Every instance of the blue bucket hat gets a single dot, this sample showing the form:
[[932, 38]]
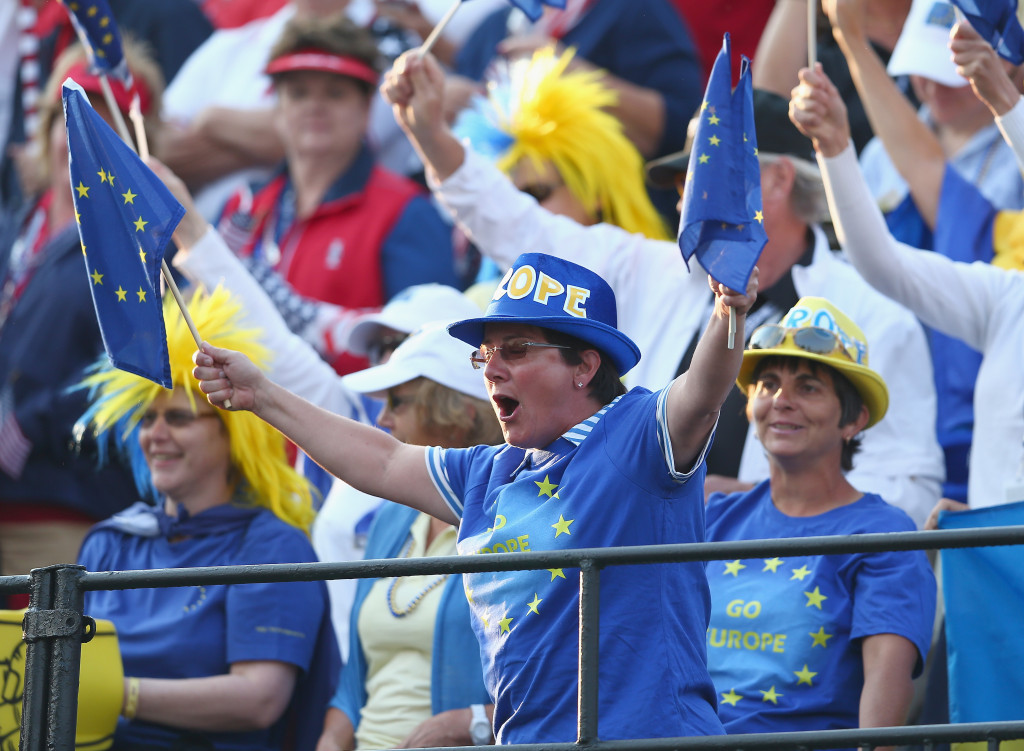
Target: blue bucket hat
[[541, 290]]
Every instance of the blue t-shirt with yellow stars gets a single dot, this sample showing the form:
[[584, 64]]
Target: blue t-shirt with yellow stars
[[784, 639], [608, 481]]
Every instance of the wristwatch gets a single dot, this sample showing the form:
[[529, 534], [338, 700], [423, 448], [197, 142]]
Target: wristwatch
[[479, 726]]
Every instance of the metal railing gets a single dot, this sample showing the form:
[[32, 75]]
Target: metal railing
[[55, 627]]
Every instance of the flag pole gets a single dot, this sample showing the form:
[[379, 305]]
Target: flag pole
[[732, 328], [435, 33], [135, 113], [812, 33]]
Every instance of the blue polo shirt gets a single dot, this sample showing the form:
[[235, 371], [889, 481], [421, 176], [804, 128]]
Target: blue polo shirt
[[608, 481]]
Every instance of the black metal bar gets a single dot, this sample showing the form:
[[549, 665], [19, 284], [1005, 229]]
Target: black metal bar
[[641, 554], [590, 602], [37, 668], [66, 662]]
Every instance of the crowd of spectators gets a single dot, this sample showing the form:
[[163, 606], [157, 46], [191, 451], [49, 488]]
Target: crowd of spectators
[[344, 191]]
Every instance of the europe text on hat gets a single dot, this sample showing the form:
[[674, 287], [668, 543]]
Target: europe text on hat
[[923, 46], [408, 311], [541, 290], [851, 360], [430, 353], [776, 134]]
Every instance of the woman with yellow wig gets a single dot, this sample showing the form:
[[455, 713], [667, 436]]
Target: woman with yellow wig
[[214, 667]]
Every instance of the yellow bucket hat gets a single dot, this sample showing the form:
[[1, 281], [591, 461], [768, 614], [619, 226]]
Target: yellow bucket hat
[[817, 330]]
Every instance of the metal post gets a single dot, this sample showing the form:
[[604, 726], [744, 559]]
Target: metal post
[[590, 586], [54, 630]]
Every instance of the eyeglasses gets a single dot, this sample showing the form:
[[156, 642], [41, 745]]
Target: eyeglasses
[[513, 350], [174, 418], [385, 345], [394, 401], [813, 339], [539, 191]]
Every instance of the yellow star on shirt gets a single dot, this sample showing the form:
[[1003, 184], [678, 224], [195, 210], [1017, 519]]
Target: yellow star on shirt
[[771, 695], [556, 572], [140, 224], [97, 277], [800, 573], [83, 191], [820, 637], [772, 564], [731, 698], [713, 120], [129, 197], [704, 159], [122, 294], [562, 525], [759, 216], [142, 294], [504, 623], [545, 487], [815, 598], [714, 140], [804, 675], [533, 605], [734, 568]]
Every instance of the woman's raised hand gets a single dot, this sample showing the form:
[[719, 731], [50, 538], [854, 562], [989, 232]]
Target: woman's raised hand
[[414, 87], [978, 63], [729, 298], [818, 112]]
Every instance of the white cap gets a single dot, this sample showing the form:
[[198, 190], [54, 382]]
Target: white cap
[[430, 352], [923, 46], [410, 309]]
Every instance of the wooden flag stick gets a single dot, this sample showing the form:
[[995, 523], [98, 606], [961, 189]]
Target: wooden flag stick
[[812, 33], [435, 33], [732, 328]]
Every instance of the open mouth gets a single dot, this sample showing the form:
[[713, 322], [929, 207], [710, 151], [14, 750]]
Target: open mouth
[[507, 407]]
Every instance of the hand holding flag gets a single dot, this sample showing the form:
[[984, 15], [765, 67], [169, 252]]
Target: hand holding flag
[[998, 22], [125, 218], [722, 221]]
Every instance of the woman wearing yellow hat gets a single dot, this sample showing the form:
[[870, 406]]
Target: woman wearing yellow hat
[[811, 642]]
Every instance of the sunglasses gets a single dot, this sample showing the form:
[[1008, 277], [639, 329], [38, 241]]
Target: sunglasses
[[385, 345], [513, 350], [174, 418], [394, 401], [813, 339]]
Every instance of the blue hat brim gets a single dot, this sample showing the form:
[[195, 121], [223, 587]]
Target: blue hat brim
[[618, 347]]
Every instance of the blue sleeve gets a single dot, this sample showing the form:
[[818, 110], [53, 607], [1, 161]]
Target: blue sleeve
[[964, 220], [275, 621], [350, 697], [449, 470], [418, 249], [895, 593]]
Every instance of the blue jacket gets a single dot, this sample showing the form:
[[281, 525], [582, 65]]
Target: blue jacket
[[456, 679]]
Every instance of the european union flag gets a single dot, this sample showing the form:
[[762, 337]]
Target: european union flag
[[125, 218], [534, 9], [984, 595], [97, 29], [997, 21], [722, 222]]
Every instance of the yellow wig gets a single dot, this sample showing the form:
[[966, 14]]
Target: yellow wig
[[257, 450], [559, 116]]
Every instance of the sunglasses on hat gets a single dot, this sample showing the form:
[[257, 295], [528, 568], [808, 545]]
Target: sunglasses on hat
[[813, 339]]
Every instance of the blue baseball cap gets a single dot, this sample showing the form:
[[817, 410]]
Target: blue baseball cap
[[541, 290]]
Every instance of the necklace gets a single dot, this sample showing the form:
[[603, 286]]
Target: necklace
[[418, 597]]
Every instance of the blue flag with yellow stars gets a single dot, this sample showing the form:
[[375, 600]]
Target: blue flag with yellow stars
[[125, 218], [98, 32], [721, 221], [534, 9], [998, 23], [984, 595]]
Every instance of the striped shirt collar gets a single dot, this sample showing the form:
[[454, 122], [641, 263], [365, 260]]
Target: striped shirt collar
[[580, 431]]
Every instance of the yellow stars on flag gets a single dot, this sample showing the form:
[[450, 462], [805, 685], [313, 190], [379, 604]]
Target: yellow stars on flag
[[815, 598], [546, 488], [105, 22], [83, 191], [703, 159], [78, 218], [820, 637], [532, 605], [93, 10], [142, 255], [772, 564], [713, 119], [142, 294], [556, 573], [129, 197], [469, 596], [97, 277], [731, 698], [714, 140], [771, 695], [704, 105], [122, 294], [804, 676], [140, 224], [734, 568], [562, 525], [759, 216], [504, 624], [106, 177], [108, 38], [800, 573]]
